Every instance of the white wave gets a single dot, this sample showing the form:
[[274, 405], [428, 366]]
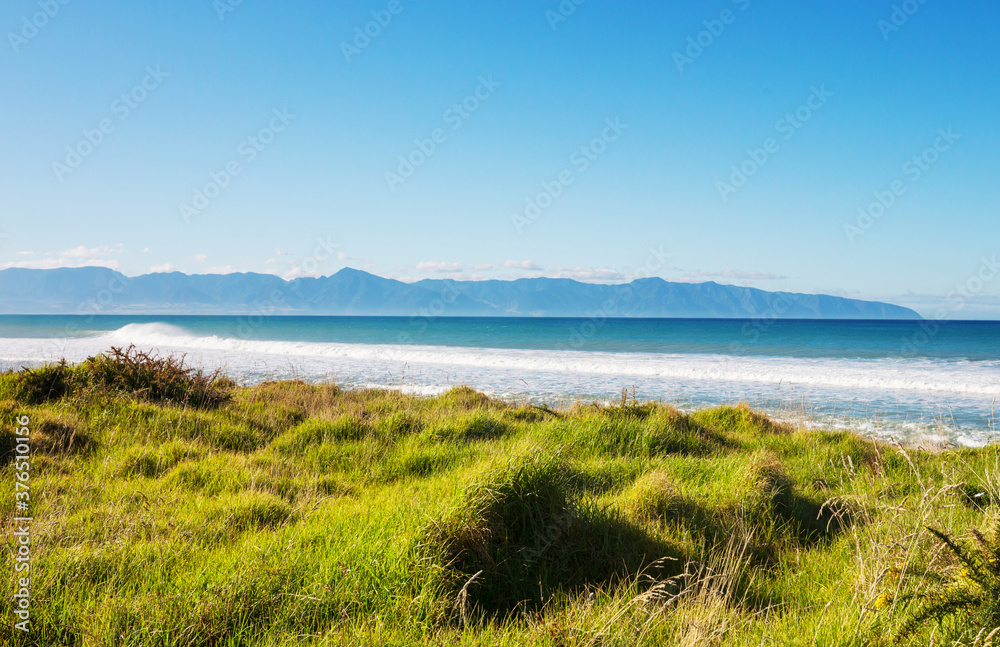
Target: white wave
[[906, 398], [891, 374], [138, 332]]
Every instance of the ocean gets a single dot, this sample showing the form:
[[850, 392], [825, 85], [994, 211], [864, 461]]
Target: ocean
[[917, 382]]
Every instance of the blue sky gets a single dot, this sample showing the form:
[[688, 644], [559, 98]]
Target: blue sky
[[414, 152]]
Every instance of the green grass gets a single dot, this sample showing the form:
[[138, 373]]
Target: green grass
[[296, 514]]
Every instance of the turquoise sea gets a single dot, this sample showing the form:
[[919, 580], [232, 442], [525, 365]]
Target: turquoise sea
[[933, 382]]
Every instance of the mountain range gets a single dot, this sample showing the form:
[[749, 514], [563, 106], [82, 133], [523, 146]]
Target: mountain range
[[354, 292]]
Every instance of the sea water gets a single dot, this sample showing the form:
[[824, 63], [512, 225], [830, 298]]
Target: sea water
[[933, 382]]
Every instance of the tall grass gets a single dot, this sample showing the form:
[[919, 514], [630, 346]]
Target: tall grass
[[175, 508]]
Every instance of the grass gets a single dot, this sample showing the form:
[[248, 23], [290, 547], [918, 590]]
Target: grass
[[175, 508]]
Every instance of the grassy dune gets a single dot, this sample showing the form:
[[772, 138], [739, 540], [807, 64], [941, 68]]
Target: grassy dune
[[173, 508]]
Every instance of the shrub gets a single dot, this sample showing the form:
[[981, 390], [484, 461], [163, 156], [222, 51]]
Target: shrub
[[130, 371], [973, 594], [150, 377], [49, 382]]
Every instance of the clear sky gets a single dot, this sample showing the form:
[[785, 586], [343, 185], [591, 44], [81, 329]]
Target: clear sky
[[741, 137]]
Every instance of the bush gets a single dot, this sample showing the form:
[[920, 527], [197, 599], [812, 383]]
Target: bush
[[49, 382], [129, 371], [150, 377], [973, 594]]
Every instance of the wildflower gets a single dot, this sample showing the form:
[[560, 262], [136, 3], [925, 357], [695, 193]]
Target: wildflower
[[882, 601]]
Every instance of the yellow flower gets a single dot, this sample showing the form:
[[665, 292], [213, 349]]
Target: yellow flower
[[882, 602]]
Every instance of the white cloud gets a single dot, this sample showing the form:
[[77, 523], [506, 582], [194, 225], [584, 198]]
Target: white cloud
[[483, 268], [158, 269], [735, 275], [146, 250], [280, 252], [225, 269], [522, 265], [580, 273], [79, 256], [91, 253], [25, 254], [80, 252], [201, 258], [439, 267], [452, 276], [271, 261], [298, 273]]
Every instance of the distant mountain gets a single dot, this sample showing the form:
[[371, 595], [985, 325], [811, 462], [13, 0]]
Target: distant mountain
[[353, 292]]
